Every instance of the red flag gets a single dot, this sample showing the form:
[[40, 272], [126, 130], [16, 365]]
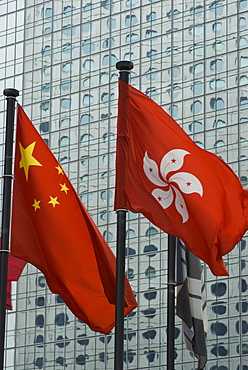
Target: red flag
[[52, 230], [181, 188], [15, 267]]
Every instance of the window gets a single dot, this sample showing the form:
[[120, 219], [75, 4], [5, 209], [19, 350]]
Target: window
[[87, 100], [46, 50], [67, 48], [106, 194], [61, 319], [218, 45], [68, 30], [67, 67], [47, 13], [108, 236], [111, 23], [46, 87], [40, 301], [152, 54], [64, 123], [196, 106], [68, 10], [242, 23], [217, 27], [197, 88], [175, 71], [64, 142], [44, 127], [108, 43], [216, 7], [88, 46], [132, 37], [89, 65], [131, 20], [197, 30], [151, 17], [195, 127], [65, 85], [216, 64], [86, 140], [87, 27], [150, 33], [86, 118], [150, 249], [45, 105], [217, 103], [217, 84], [197, 11], [66, 103], [173, 15], [151, 231], [197, 49], [39, 321]]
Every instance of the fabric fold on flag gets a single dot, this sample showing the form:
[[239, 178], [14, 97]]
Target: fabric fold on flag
[[15, 267], [191, 304], [182, 189], [52, 230]]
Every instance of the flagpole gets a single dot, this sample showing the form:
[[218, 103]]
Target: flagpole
[[11, 95], [124, 67], [171, 302]]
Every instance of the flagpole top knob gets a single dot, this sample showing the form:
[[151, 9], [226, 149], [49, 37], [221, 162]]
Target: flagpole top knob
[[124, 65], [11, 92]]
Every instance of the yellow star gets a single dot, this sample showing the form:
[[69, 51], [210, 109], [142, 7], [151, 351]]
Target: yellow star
[[64, 188], [53, 201], [60, 170], [36, 204], [27, 158]]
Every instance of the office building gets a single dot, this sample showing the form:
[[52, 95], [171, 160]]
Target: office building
[[191, 57]]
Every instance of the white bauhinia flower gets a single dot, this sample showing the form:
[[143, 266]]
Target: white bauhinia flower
[[186, 182]]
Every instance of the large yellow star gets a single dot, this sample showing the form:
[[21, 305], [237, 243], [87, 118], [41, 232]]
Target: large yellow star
[[64, 188], [53, 201], [27, 158], [36, 204]]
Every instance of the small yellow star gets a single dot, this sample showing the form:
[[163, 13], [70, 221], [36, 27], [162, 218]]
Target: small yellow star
[[59, 170], [27, 158], [36, 204], [64, 188], [53, 201]]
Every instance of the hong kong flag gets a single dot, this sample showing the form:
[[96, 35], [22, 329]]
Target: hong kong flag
[[181, 188]]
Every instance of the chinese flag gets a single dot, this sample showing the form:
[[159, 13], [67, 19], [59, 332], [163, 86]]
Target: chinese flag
[[52, 230], [15, 267], [181, 188]]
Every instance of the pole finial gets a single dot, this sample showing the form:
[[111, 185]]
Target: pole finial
[[125, 65], [11, 92]]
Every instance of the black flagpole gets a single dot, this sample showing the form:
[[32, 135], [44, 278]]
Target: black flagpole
[[171, 302], [124, 67], [11, 95]]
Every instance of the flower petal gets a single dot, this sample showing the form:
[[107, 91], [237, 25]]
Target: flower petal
[[180, 205], [187, 183], [151, 170], [165, 198], [172, 161]]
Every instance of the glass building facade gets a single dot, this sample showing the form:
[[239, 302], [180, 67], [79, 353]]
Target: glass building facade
[[191, 57]]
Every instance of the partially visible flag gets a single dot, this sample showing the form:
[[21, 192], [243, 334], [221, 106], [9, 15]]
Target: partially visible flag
[[191, 302], [15, 267], [52, 230], [182, 189]]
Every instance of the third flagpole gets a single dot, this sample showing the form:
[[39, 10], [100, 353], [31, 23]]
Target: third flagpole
[[11, 95], [171, 302], [124, 67]]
